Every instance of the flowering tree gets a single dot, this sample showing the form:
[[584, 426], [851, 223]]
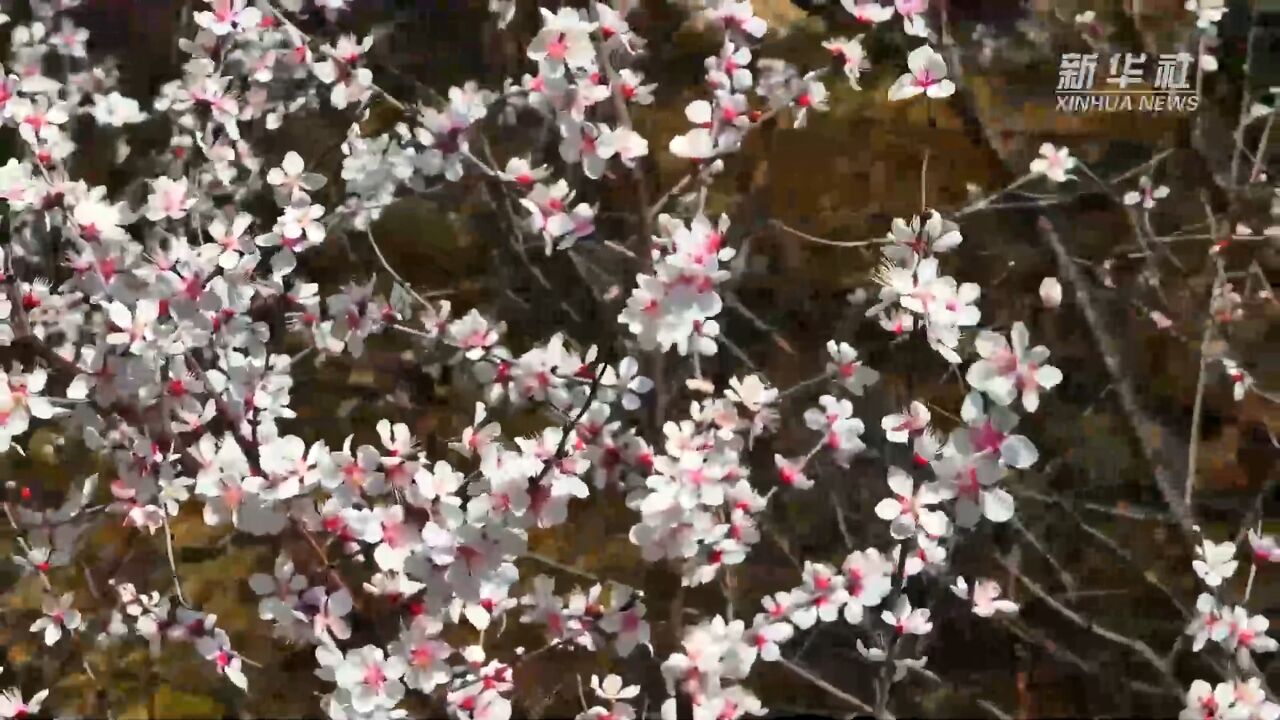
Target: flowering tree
[[160, 324]]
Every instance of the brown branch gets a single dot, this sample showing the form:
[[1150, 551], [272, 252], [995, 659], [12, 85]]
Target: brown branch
[[1197, 410], [1138, 647], [173, 563], [823, 241], [383, 259], [1139, 421], [735, 303], [1148, 576], [964, 693], [827, 687], [1064, 577], [1061, 654]]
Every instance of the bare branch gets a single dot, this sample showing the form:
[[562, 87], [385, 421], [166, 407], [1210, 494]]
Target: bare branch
[[823, 241], [1140, 423], [1138, 647], [830, 689], [173, 564], [1197, 410]]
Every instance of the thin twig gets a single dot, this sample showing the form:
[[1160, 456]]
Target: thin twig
[[383, 259], [1139, 647], [173, 564], [1253, 571], [1263, 145], [924, 181], [1028, 634], [1137, 417], [985, 202], [735, 303], [1064, 577], [1197, 410], [993, 709], [830, 689], [1136, 170], [823, 241], [1147, 575], [804, 385]]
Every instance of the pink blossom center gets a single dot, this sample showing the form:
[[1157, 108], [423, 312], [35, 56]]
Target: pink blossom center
[[988, 437], [556, 49], [630, 622], [374, 677]]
